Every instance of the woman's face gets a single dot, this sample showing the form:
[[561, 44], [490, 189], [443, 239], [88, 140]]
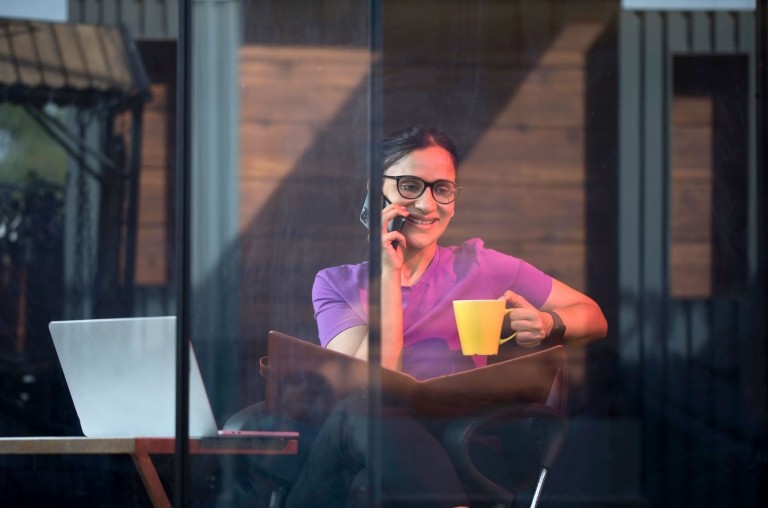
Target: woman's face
[[428, 218]]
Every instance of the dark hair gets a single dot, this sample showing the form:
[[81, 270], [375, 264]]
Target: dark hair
[[401, 143]]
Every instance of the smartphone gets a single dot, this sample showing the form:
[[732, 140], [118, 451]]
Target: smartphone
[[396, 224]]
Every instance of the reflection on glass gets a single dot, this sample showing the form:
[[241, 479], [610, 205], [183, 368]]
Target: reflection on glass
[[610, 147]]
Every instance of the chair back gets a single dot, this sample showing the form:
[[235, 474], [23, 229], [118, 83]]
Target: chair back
[[528, 438]]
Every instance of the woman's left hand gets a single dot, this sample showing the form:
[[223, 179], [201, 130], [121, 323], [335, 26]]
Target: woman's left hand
[[529, 323]]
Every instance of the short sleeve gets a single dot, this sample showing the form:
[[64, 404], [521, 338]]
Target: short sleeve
[[338, 304]]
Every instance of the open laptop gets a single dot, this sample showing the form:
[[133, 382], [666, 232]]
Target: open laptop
[[122, 377]]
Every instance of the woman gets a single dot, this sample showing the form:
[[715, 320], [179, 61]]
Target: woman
[[419, 281]]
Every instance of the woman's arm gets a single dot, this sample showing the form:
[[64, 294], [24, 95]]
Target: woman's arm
[[391, 319], [354, 341], [583, 319]]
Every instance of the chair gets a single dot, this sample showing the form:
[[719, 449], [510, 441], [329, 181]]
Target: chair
[[525, 439], [310, 403], [280, 483]]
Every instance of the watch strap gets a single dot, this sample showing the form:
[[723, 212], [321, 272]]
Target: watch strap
[[558, 327]]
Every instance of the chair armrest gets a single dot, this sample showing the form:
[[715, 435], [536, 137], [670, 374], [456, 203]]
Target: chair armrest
[[528, 436]]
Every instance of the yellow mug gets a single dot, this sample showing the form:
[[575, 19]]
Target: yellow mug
[[479, 323]]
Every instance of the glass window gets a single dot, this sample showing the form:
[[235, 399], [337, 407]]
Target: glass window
[[616, 147]]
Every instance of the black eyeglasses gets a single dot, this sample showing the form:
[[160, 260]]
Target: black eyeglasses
[[411, 187]]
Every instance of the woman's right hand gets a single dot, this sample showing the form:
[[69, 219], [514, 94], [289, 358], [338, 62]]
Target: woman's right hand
[[391, 257]]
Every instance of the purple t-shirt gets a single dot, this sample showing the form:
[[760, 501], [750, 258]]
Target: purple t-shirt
[[431, 341]]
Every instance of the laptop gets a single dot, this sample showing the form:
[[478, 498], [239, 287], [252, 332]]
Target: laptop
[[122, 378]]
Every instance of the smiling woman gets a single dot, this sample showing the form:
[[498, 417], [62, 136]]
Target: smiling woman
[[419, 282], [421, 279], [428, 213]]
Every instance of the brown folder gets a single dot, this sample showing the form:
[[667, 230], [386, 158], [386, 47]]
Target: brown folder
[[294, 364]]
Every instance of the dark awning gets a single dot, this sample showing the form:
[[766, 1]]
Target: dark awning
[[70, 64]]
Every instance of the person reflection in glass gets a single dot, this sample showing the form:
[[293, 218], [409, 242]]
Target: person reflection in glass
[[419, 281]]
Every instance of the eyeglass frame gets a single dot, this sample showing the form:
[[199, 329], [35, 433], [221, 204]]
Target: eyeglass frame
[[431, 185]]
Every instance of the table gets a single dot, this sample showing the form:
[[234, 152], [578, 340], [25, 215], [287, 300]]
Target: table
[[141, 448]]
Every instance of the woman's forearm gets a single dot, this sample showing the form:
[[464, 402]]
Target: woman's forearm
[[584, 322]]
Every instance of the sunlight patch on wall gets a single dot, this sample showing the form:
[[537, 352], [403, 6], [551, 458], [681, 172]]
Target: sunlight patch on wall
[[288, 95]]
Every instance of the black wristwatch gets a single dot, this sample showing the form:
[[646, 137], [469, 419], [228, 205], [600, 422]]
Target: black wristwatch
[[557, 332]]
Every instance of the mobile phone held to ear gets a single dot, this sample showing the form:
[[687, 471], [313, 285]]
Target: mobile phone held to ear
[[364, 215], [396, 224]]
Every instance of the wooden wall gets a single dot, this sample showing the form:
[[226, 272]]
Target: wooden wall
[[509, 82], [525, 177], [507, 79], [155, 238], [691, 198], [303, 169]]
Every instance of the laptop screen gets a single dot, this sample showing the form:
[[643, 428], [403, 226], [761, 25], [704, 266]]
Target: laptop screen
[[121, 374]]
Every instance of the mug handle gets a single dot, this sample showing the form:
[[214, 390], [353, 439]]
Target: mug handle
[[507, 339]]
